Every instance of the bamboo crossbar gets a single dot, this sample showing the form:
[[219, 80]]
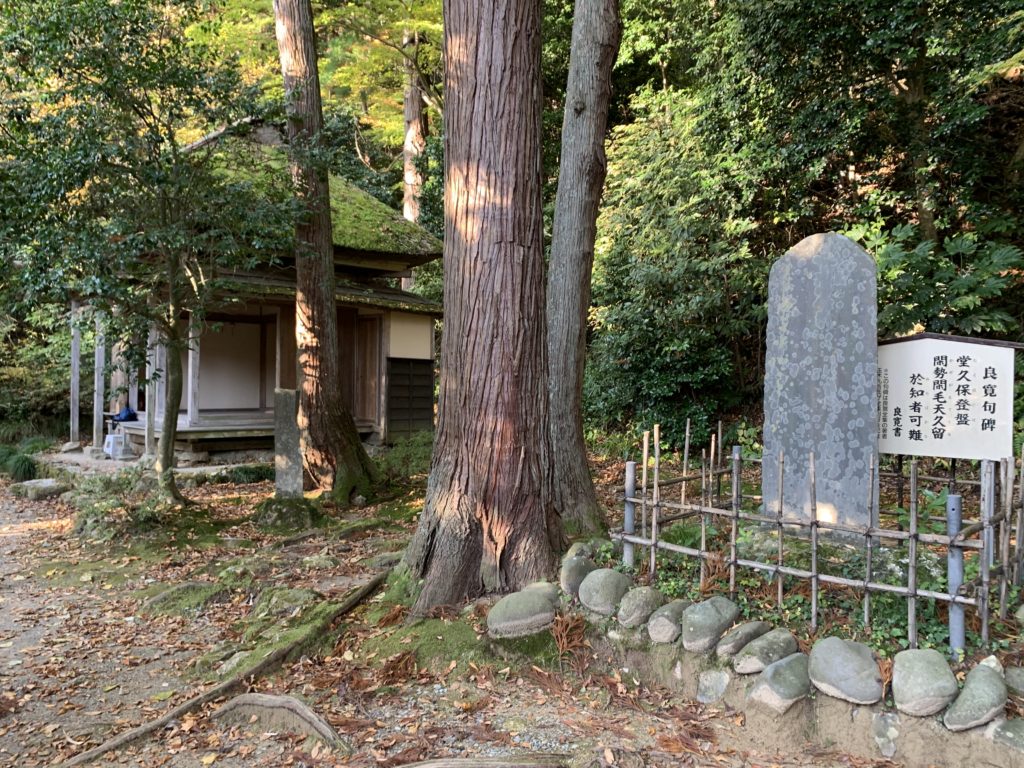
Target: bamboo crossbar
[[693, 477], [787, 570], [1000, 547], [939, 539]]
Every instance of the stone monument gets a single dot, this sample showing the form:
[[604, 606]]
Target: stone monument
[[820, 386], [287, 452]]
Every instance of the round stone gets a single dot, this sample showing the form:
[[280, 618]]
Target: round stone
[[664, 624], [574, 571], [602, 590], [704, 623], [982, 699], [546, 588], [922, 682], [638, 604], [520, 614], [739, 636], [846, 670], [782, 683], [764, 650]]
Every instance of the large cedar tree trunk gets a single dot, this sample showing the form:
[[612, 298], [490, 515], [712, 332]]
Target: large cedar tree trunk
[[487, 523], [595, 44], [331, 450]]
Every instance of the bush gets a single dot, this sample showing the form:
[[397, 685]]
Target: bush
[[32, 445], [21, 467], [408, 458]]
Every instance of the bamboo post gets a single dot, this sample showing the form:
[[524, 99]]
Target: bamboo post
[[912, 563], [1018, 571], [705, 492], [988, 479], [955, 577], [656, 499], [629, 522], [1006, 487], [151, 389], [710, 496], [867, 538], [686, 462], [899, 483], [643, 481], [737, 488], [814, 547], [717, 463], [782, 460]]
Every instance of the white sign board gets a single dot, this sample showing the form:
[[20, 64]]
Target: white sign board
[[945, 398]]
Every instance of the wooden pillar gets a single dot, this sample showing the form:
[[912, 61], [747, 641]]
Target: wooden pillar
[[119, 379], [287, 363], [76, 374], [152, 352], [382, 377], [99, 384], [161, 384], [193, 372]]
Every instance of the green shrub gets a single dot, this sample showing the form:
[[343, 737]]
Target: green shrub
[[6, 452], [21, 467], [408, 458], [245, 474], [36, 444]]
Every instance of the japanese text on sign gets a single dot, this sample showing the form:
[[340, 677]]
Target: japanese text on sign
[[938, 397]]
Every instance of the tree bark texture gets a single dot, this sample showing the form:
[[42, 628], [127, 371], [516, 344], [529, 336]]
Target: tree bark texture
[[175, 336], [332, 453], [487, 524], [414, 145], [415, 137], [595, 43]]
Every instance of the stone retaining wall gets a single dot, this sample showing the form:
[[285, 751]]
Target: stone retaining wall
[[831, 697]]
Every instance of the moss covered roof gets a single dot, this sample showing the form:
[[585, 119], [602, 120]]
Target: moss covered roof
[[360, 222]]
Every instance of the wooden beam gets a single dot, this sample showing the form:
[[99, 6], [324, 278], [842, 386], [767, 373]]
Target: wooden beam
[[195, 330], [76, 373], [99, 384]]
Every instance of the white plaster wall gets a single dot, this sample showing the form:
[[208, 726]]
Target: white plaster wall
[[411, 336], [229, 367]]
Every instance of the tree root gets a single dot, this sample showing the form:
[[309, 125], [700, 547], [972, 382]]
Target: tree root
[[273, 658]]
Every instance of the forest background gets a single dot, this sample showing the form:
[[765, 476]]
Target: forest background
[[736, 129]]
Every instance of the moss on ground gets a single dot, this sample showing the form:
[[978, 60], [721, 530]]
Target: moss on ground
[[185, 599], [436, 643]]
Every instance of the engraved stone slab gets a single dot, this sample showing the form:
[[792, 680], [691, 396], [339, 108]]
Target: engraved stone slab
[[820, 387], [287, 453]]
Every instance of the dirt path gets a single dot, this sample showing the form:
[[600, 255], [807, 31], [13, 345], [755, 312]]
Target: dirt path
[[78, 662]]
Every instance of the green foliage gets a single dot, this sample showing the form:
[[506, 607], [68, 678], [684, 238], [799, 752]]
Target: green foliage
[[103, 196], [6, 452], [961, 286], [408, 459], [21, 467], [678, 292], [245, 474]]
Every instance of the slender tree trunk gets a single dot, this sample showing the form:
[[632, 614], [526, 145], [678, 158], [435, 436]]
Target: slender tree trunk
[[487, 522], [415, 137], [595, 44], [415, 143], [174, 339], [331, 450]]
